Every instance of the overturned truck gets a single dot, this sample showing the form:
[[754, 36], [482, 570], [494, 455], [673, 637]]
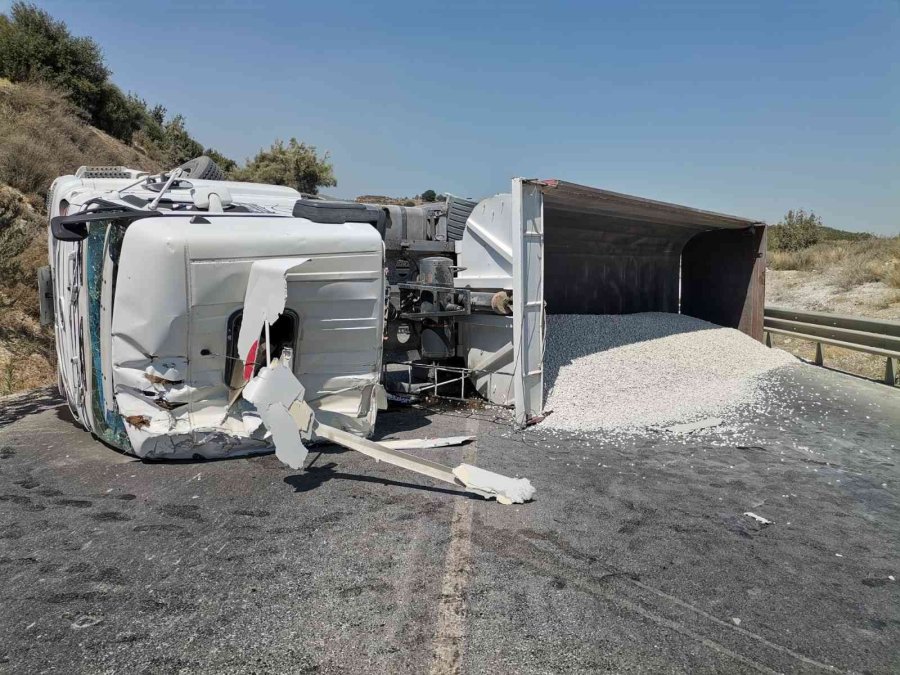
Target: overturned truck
[[197, 317]]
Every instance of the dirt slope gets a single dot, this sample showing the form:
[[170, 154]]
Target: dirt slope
[[42, 137]]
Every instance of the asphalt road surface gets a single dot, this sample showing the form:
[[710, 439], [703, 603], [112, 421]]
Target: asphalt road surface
[[635, 557]]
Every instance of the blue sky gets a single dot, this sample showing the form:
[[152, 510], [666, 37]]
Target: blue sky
[[747, 108]]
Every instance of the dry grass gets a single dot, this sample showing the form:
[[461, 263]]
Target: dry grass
[[27, 354], [886, 302], [852, 262], [892, 278], [845, 277], [43, 137]]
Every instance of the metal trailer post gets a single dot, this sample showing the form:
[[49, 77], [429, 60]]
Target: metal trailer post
[[528, 298]]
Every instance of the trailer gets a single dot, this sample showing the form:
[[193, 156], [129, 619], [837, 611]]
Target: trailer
[[551, 247]]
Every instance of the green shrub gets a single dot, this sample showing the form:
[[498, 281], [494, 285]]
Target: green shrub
[[831, 233], [178, 146], [796, 231], [225, 163], [119, 115], [296, 165], [34, 46]]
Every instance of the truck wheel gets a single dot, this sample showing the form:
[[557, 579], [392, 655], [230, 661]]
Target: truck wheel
[[202, 168]]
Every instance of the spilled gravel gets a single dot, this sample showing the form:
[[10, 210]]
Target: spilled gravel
[[634, 371]]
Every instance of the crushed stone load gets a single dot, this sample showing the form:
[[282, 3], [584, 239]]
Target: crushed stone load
[[633, 371]]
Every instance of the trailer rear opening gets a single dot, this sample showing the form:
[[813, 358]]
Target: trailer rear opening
[[562, 248]]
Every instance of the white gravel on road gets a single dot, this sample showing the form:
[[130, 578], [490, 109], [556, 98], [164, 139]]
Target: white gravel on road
[[633, 371]]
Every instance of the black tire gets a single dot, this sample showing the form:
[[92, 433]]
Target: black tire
[[202, 168]]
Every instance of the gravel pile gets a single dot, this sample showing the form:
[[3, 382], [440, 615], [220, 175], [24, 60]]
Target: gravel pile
[[633, 371]]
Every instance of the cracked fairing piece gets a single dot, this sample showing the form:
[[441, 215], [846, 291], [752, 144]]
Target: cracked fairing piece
[[273, 391], [506, 490], [263, 303], [149, 313]]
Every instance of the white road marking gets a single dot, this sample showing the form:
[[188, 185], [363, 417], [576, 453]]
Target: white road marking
[[451, 621]]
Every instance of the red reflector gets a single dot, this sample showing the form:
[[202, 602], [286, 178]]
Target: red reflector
[[251, 361]]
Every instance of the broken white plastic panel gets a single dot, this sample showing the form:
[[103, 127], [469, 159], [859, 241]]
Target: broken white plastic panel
[[759, 519], [479, 481], [273, 391], [278, 397], [507, 490], [263, 304]]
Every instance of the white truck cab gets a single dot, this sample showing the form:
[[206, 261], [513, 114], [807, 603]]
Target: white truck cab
[[150, 281]]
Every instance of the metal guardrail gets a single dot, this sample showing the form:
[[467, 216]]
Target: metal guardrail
[[873, 336]]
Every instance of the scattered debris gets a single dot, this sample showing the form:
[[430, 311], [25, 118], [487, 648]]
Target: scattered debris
[[506, 490], [273, 391], [422, 443], [694, 426], [138, 421], [537, 419], [278, 397], [758, 519], [86, 621]]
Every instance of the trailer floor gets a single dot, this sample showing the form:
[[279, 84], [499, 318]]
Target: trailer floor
[[634, 557]]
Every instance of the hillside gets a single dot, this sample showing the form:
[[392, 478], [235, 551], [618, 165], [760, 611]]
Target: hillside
[[861, 275], [834, 234], [42, 136]]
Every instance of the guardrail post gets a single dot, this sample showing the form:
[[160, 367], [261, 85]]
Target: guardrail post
[[878, 337]]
